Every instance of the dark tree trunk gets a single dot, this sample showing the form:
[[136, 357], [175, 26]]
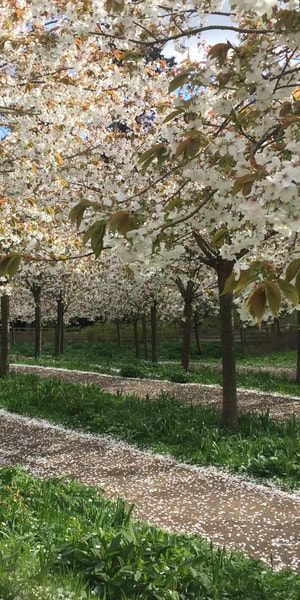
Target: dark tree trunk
[[136, 338], [242, 341], [12, 334], [38, 331], [223, 269], [4, 366], [298, 348], [37, 291], [118, 330], [229, 407], [197, 336], [187, 332], [277, 326], [59, 329], [154, 357], [188, 293], [145, 337]]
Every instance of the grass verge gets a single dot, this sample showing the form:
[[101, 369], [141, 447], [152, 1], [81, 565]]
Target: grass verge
[[109, 358], [264, 448], [63, 541]]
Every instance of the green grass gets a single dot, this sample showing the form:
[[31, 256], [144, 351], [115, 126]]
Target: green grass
[[63, 541], [263, 447], [109, 358]]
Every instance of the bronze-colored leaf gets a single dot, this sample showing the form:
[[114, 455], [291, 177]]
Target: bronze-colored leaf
[[179, 81], [77, 212], [123, 221], [257, 303], [219, 51]]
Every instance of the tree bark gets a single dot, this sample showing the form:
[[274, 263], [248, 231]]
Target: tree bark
[[136, 338], [187, 292], [59, 329], [187, 333], [12, 334], [229, 406], [37, 291], [4, 365], [242, 341], [154, 357], [298, 348], [145, 337], [197, 336], [117, 322]]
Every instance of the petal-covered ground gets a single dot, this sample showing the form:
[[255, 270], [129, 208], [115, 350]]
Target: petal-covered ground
[[230, 511]]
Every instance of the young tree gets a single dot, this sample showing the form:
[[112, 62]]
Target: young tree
[[219, 166]]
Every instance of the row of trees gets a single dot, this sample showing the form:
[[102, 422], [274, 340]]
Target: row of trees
[[87, 292], [157, 162]]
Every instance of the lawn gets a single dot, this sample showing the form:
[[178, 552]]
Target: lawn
[[60, 540], [63, 541]]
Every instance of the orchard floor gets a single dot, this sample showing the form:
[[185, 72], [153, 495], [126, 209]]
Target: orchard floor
[[231, 511]]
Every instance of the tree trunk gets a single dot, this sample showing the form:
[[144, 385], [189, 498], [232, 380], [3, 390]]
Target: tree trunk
[[37, 291], [242, 341], [229, 407], [4, 366], [154, 357], [38, 331], [59, 329], [187, 332], [145, 337], [12, 334], [298, 348], [136, 338], [197, 336], [117, 322], [277, 326]]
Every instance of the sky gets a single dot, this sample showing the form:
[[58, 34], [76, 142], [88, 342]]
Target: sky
[[212, 37]]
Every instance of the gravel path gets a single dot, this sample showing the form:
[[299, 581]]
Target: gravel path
[[230, 511]]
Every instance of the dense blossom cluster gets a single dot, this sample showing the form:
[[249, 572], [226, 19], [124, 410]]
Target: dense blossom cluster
[[152, 159], [85, 90]]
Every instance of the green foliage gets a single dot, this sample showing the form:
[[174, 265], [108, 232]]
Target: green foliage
[[9, 265], [64, 541], [263, 447], [180, 376], [133, 370]]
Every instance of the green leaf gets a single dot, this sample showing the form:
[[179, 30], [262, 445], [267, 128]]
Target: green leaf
[[246, 277], [114, 6], [179, 81], [95, 233], [219, 237], [157, 151], [9, 265], [115, 544], [229, 284], [292, 269], [173, 115], [289, 291], [77, 212], [273, 297]]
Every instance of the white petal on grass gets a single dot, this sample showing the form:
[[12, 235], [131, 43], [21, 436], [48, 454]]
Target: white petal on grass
[[229, 510]]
